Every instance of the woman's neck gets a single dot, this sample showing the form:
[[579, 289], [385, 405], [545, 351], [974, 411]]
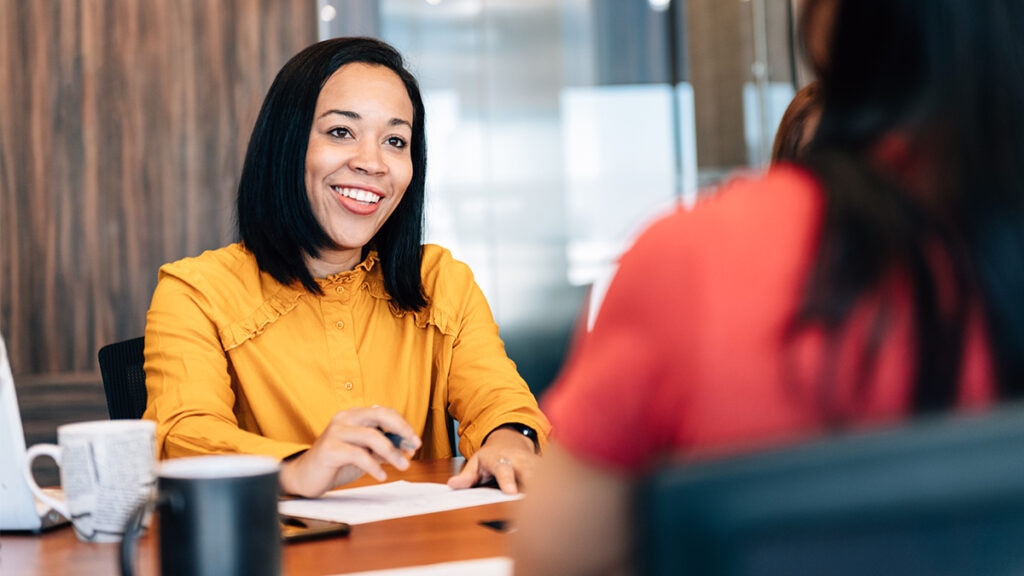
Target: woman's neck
[[331, 262]]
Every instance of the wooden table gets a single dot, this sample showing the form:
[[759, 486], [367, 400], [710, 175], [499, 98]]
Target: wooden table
[[427, 539]]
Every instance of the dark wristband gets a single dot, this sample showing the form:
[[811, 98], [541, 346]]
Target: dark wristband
[[522, 429]]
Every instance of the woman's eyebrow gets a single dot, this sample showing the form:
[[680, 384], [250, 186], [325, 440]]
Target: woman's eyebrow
[[346, 113], [356, 116]]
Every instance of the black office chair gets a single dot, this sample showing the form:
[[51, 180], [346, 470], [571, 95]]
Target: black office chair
[[124, 379], [941, 497]]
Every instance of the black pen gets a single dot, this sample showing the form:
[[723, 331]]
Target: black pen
[[395, 439]]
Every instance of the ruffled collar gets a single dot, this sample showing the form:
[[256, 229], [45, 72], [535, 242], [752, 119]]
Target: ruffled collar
[[367, 275]]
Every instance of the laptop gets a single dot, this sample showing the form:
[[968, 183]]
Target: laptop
[[19, 508]]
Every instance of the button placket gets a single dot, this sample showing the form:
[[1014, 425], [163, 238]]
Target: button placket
[[337, 313]]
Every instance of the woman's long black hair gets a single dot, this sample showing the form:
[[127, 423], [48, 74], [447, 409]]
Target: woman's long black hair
[[946, 76], [275, 220]]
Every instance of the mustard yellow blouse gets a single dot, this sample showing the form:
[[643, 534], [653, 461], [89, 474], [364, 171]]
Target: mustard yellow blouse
[[237, 362]]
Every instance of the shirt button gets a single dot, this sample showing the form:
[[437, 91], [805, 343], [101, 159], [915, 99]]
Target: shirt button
[[340, 325], [348, 385], [339, 289]]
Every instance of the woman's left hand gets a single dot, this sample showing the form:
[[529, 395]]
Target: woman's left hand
[[507, 457]]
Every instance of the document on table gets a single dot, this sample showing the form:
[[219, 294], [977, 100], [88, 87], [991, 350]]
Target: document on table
[[500, 566], [390, 500]]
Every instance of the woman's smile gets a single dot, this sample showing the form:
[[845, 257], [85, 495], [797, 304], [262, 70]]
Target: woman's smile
[[358, 200]]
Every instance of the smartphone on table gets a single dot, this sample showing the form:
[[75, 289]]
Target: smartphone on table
[[295, 529]]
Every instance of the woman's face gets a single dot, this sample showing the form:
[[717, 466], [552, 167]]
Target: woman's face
[[358, 163]]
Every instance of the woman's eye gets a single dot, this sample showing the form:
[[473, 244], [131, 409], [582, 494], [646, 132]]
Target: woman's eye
[[397, 142], [339, 132]]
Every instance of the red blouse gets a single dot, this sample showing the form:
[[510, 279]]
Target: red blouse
[[687, 353]]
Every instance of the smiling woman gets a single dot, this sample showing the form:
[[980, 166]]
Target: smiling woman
[[330, 324]]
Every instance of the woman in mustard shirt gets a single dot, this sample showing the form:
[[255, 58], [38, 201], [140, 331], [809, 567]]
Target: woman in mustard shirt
[[330, 322]]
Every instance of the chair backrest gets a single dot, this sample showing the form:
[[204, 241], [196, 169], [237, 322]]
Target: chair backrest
[[124, 378], [939, 497]]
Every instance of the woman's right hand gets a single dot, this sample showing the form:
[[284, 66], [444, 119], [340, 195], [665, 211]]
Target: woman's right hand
[[350, 446]]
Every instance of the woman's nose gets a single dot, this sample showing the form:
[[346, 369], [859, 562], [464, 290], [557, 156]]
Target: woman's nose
[[368, 158]]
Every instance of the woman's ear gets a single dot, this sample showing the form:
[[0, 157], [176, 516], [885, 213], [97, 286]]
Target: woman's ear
[[893, 153], [911, 166]]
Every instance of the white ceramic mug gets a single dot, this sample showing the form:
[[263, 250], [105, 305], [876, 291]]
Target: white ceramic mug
[[106, 471]]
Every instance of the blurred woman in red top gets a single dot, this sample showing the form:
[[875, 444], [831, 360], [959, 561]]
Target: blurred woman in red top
[[882, 276]]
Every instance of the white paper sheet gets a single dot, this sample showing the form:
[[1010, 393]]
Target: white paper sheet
[[500, 566], [390, 500]]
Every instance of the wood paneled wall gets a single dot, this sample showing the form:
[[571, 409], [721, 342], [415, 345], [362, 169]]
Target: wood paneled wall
[[123, 124]]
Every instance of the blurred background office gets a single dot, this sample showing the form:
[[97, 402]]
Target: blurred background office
[[555, 127]]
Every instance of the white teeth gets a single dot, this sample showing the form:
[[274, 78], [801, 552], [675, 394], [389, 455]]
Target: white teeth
[[358, 195]]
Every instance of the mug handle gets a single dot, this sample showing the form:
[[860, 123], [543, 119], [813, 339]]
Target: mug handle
[[133, 528], [53, 451]]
